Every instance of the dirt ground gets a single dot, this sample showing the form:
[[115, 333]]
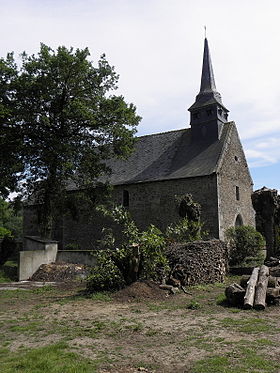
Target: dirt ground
[[142, 328]]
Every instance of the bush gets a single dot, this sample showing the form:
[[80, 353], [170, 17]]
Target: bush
[[141, 255], [106, 275], [185, 231], [244, 241]]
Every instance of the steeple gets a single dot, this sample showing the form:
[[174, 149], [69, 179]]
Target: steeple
[[208, 112], [207, 76]]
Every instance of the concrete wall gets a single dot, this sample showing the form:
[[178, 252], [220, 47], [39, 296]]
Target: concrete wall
[[34, 256], [234, 173], [76, 257]]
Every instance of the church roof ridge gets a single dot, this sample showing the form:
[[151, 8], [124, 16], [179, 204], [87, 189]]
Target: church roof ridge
[[163, 133]]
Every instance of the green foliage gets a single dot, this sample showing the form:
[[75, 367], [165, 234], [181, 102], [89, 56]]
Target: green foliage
[[154, 263], [185, 231], [4, 232], [10, 137], [244, 241], [61, 108], [141, 255], [106, 275], [10, 220]]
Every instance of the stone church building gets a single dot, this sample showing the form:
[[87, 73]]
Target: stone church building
[[205, 160]]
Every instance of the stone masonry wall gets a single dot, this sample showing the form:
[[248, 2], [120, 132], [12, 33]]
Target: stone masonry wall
[[149, 203], [234, 173]]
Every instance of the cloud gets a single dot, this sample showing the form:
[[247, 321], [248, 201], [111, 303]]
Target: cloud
[[263, 152], [156, 47]]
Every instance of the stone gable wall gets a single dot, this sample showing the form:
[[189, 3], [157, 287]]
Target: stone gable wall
[[234, 173]]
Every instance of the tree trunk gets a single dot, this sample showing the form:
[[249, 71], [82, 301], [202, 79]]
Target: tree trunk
[[251, 287], [235, 294], [261, 288]]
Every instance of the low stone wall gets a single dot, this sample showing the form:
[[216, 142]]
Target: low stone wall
[[200, 262]]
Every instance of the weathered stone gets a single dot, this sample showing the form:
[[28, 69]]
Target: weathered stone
[[266, 203]]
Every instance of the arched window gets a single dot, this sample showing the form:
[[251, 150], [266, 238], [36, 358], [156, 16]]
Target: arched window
[[125, 198], [238, 221], [183, 208]]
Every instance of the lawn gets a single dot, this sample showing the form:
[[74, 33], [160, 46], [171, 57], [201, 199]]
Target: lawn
[[59, 330]]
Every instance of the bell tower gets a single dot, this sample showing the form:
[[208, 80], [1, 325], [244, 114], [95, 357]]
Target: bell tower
[[208, 114]]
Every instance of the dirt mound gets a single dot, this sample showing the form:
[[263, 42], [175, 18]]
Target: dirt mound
[[61, 272], [141, 290]]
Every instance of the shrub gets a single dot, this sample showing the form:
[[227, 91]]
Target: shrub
[[244, 241], [141, 255], [185, 231], [106, 275]]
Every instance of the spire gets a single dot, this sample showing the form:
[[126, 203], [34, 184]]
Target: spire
[[208, 114], [208, 93], [207, 76]]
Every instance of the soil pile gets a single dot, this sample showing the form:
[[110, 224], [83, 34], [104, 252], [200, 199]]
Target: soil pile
[[61, 272], [140, 290]]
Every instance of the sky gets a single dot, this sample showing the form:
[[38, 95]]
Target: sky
[[156, 47]]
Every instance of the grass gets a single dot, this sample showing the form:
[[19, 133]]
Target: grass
[[249, 325], [55, 358], [140, 334], [242, 360], [101, 296]]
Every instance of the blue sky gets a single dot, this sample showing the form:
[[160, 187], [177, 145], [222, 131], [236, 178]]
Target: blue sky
[[156, 46]]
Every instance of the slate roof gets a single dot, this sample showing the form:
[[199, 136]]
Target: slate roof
[[168, 155]]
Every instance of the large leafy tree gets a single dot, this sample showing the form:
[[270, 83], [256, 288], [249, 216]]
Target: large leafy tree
[[10, 139], [69, 123]]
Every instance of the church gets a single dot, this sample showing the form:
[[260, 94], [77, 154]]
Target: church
[[206, 160]]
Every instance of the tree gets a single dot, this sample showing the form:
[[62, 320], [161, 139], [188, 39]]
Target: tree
[[10, 139], [69, 122], [10, 220]]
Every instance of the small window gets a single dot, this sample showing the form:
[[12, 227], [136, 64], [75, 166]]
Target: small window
[[125, 198], [196, 115], [209, 112], [236, 158], [237, 193], [220, 111]]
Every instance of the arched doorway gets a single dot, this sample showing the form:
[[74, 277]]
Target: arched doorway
[[238, 221]]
